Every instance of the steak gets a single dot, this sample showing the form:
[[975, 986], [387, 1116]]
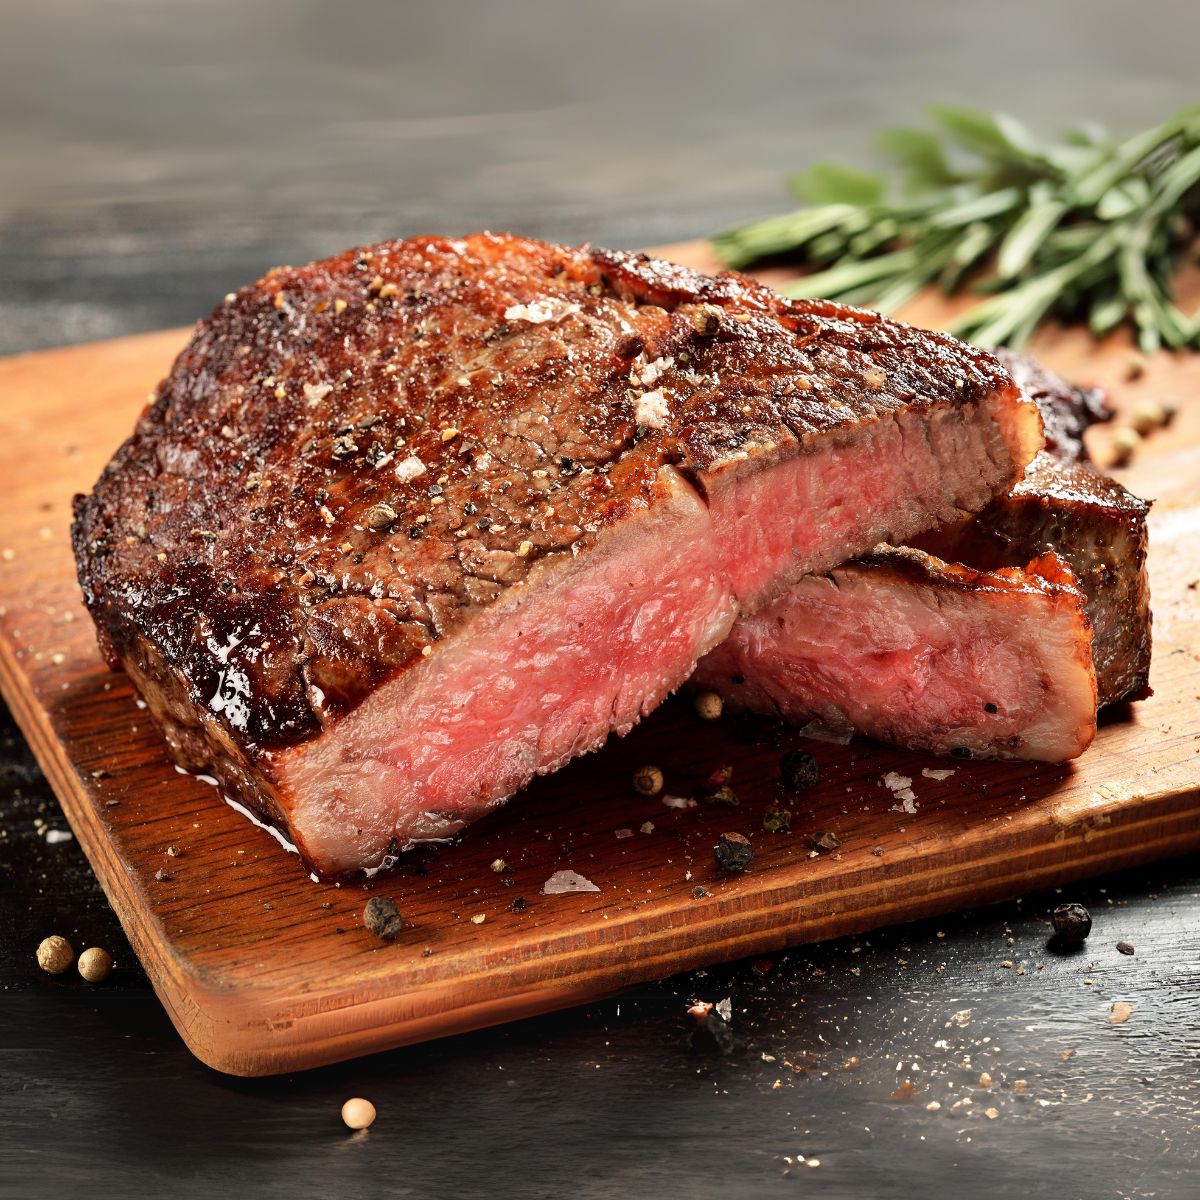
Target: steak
[[975, 640], [407, 526], [908, 649]]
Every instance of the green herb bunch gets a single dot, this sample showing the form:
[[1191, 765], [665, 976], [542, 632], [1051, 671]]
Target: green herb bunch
[[1083, 229]]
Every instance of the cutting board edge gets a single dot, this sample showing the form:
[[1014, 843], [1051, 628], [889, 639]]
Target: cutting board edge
[[232, 1041]]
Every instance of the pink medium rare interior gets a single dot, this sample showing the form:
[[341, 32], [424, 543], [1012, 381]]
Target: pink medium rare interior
[[917, 665], [889, 481], [546, 675], [596, 643]]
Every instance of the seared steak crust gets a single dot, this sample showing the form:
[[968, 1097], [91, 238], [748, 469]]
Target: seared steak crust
[[350, 457], [1067, 409]]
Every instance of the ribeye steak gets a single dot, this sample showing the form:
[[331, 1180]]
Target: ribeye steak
[[407, 526]]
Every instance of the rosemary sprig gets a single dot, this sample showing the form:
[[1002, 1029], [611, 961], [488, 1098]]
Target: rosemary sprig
[[1085, 229]]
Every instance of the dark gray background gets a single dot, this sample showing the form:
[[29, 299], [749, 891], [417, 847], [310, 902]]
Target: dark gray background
[[154, 155]]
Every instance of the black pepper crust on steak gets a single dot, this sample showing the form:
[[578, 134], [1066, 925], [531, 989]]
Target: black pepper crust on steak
[[352, 460]]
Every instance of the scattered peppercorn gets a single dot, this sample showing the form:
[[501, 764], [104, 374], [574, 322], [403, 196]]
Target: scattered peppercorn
[[706, 319], [1072, 923], [1148, 416], [380, 516], [709, 706], [1125, 442], [382, 917], [989, 707], [648, 780], [798, 770], [519, 905], [1125, 947], [733, 852], [723, 797], [826, 841], [698, 892], [358, 1113], [95, 964], [776, 820], [55, 954]]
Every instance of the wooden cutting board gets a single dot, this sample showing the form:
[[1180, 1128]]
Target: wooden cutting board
[[263, 970]]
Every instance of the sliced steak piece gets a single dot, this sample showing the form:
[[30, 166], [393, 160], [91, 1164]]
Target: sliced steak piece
[[905, 648], [1099, 528], [885, 681], [408, 526]]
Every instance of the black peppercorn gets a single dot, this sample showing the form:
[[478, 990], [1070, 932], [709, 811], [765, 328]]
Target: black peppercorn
[[826, 841], [382, 917], [733, 852], [1072, 923], [798, 770]]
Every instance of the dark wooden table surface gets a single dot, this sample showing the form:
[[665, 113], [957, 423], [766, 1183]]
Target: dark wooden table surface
[[154, 156]]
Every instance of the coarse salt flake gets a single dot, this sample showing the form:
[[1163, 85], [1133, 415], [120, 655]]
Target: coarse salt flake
[[901, 787], [562, 883], [651, 372], [540, 311], [314, 393], [929, 773], [651, 410], [409, 468]]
